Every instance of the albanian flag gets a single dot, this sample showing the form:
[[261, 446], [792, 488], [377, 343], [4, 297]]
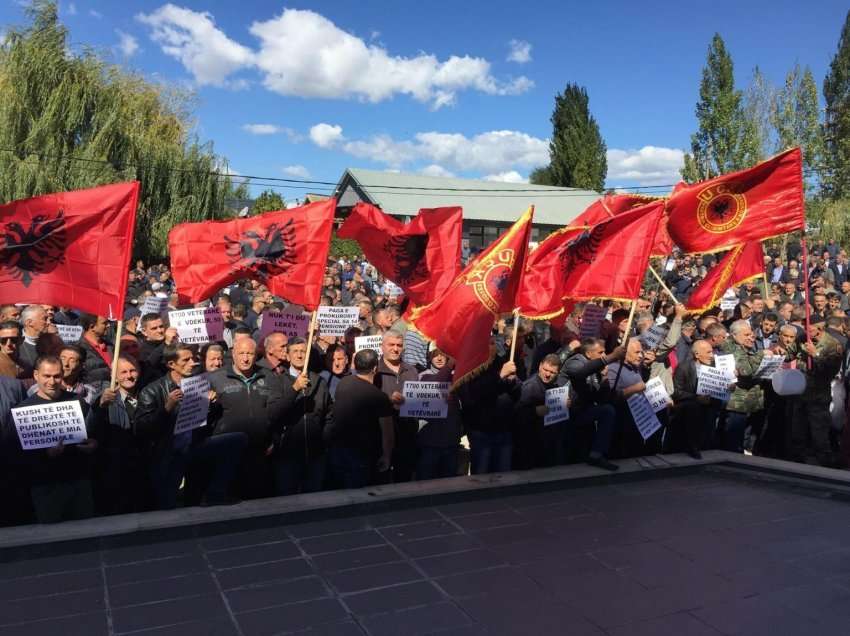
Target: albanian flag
[[70, 249], [612, 205], [751, 205], [422, 257], [287, 249], [608, 260], [741, 264], [460, 320]]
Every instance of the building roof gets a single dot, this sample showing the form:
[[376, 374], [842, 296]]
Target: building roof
[[403, 194]]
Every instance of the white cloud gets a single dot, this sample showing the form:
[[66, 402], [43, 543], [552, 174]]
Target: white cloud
[[325, 135], [649, 165], [127, 44], [298, 171], [72, 9], [511, 176], [302, 53], [262, 129], [520, 51], [435, 170], [97, 15], [193, 38]]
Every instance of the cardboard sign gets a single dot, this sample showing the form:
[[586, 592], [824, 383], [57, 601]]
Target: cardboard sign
[[556, 400], [197, 326], [645, 418], [333, 321], [713, 383], [653, 336], [656, 394], [726, 363], [153, 305], [195, 404], [769, 365], [293, 325], [591, 321], [44, 425], [368, 342], [70, 333], [425, 399]]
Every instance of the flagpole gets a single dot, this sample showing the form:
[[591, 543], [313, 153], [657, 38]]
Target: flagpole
[[625, 343], [516, 331], [806, 290], [116, 351], [661, 282], [310, 340]]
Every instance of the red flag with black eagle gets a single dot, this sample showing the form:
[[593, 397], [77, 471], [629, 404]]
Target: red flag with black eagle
[[612, 205], [422, 257], [749, 205], [744, 262], [608, 260], [287, 249], [70, 249], [460, 321]]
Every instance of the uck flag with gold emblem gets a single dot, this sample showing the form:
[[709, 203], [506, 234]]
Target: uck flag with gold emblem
[[750, 205], [460, 321], [741, 264]]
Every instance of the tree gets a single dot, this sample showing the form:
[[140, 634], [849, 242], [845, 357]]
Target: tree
[[268, 201], [836, 92], [541, 176], [758, 103], [576, 151], [796, 117], [726, 140], [71, 121]]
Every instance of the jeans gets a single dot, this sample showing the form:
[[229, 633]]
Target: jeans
[[436, 462], [293, 475], [733, 436], [490, 452], [62, 501], [348, 468], [605, 418]]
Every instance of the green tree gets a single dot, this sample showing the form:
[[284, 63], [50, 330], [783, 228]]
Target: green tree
[[726, 139], [758, 102], [268, 201], [796, 118], [541, 176], [576, 151], [70, 121], [836, 92]]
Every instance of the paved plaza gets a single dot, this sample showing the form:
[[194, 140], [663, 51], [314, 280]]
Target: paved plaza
[[696, 554]]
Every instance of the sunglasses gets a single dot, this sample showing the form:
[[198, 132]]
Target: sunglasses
[[8, 339]]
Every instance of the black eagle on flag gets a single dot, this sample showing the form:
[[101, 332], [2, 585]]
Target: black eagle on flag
[[271, 253], [33, 250]]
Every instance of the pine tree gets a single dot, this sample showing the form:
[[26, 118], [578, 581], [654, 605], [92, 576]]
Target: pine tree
[[795, 116], [836, 92], [576, 151]]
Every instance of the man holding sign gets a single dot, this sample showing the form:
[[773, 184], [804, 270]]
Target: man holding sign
[[694, 415], [544, 443]]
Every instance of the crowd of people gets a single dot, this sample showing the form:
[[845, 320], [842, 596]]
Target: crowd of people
[[284, 419]]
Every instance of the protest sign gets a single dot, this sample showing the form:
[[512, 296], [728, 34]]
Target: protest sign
[[726, 363], [769, 365], [293, 325], [368, 342], [657, 394], [425, 399], [393, 290], [728, 304], [44, 425], [645, 419], [195, 404], [333, 321], [591, 320], [652, 337], [153, 305], [556, 400], [197, 326], [70, 333], [713, 383]]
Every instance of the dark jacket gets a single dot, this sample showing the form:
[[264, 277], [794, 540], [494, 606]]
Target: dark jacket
[[587, 386], [154, 424], [150, 358], [685, 385], [532, 395], [488, 402], [300, 427], [443, 432], [95, 368], [246, 405]]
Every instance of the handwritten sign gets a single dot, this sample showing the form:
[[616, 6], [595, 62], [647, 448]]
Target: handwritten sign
[[657, 394], [293, 325], [653, 336], [333, 321], [44, 425], [154, 305], [368, 342], [726, 363], [195, 404], [591, 320], [713, 383], [769, 365], [425, 399], [197, 326], [556, 400], [645, 418], [70, 333]]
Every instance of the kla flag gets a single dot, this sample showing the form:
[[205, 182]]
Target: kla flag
[[422, 257], [460, 321], [741, 264], [70, 249], [287, 249], [750, 205], [612, 205]]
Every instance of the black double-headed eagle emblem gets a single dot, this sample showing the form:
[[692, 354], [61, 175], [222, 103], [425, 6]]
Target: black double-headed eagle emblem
[[581, 250], [270, 253], [37, 249], [408, 257]]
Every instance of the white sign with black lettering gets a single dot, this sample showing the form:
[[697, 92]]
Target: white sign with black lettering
[[556, 401], [392, 290], [197, 326], [657, 394], [726, 363], [713, 383], [645, 418], [591, 320], [293, 325], [769, 365], [333, 321], [368, 342], [425, 399], [153, 305], [70, 334], [653, 336], [195, 404], [44, 425]]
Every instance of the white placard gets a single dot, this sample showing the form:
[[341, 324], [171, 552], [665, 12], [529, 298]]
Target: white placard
[[591, 321], [728, 304], [44, 425], [769, 365], [195, 404], [70, 333], [333, 321], [197, 326], [368, 342], [556, 400], [645, 418], [726, 363], [653, 336], [713, 383], [656, 394], [393, 290], [154, 305], [425, 400], [293, 325]]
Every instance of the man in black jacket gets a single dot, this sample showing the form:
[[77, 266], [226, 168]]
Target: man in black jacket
[[98, 354], [154, 339], [548, 447], [694, 415], [173, 456]]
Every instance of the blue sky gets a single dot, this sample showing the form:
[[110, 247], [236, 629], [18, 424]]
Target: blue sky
[[465, 88]]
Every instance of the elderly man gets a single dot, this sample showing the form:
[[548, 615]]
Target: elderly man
[[274, 357], [745, 409], [627, 378], [694, 416], [34, 321]]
